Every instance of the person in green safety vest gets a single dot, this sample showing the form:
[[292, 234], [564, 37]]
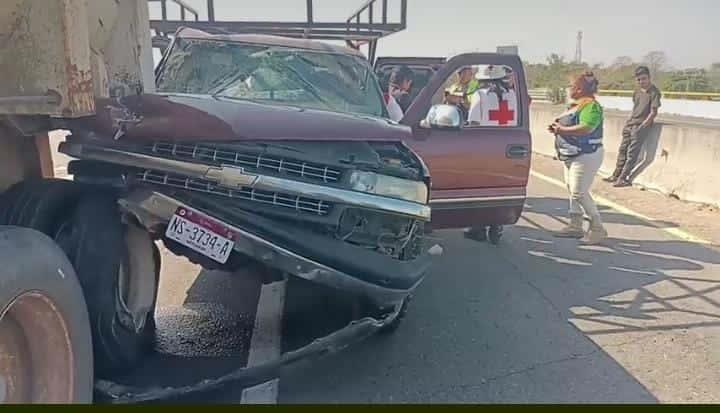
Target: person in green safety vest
[[459, 92]]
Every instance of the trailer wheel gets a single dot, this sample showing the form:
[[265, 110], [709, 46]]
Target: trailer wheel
[[45, 339], [118, 268], [39, 204]]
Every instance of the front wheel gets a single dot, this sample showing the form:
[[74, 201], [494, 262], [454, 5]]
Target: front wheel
[[118, 268], [45, 340]]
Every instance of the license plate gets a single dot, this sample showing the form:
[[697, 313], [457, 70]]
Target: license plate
[[201, 233]]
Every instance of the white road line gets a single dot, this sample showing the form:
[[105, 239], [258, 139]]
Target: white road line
[[266, 341], [676, 232]]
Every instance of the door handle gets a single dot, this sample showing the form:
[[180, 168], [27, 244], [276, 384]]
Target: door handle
[[517, 151]]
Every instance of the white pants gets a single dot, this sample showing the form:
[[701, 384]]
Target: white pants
[[580, 173]]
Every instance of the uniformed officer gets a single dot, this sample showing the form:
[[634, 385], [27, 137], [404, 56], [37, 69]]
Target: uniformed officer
[[459, 92]]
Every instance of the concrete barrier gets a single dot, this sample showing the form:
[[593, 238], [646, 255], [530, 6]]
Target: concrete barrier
[[681, 157]]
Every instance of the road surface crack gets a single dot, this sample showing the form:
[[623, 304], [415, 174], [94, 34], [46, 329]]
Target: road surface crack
[[537, 289], [537, 366], [487, 380]]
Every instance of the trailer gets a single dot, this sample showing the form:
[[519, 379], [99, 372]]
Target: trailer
[[77, 303]]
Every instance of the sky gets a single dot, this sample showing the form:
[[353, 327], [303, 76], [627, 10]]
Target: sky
[[687, 30]]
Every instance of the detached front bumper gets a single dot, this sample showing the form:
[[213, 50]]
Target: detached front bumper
[[383, 280]]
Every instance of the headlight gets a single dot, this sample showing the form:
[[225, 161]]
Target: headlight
[[389, 186]]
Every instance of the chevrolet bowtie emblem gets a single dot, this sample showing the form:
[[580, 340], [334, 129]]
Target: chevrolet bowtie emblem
[[232, 176]]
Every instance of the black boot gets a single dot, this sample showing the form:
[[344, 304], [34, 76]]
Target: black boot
[[617, 172], [611, 179], [478, 234], [622, 183], [495, 232]]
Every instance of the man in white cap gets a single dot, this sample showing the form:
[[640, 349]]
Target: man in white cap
[[495, 103]]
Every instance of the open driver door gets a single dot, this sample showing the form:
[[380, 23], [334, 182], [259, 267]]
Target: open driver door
[[479, 169]]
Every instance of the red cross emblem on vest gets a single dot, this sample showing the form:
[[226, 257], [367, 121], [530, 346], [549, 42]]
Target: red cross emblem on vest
[[503, 115]]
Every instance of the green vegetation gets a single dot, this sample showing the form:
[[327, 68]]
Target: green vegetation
[[619, 75]]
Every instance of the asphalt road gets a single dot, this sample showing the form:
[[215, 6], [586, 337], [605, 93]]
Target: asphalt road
[[534, 319]]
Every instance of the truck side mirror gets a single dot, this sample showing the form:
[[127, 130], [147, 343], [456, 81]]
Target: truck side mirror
[[442, 117]]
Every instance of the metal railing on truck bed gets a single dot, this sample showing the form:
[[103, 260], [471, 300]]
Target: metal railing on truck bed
[[365, 26]]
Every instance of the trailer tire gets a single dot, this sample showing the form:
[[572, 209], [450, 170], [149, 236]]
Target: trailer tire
[[44, 323], [39, 204], [99, 247]]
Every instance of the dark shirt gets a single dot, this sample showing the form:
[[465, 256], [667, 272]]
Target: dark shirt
[[643, 103], [403, 99]]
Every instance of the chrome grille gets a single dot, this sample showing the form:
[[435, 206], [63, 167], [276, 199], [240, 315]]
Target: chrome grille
[[257, 162], [297, 203]]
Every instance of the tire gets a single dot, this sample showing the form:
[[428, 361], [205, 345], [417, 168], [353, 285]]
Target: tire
[[95, 240], [39, 204], [44, 323]]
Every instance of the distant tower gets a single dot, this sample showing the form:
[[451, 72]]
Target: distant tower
[[578, 48]]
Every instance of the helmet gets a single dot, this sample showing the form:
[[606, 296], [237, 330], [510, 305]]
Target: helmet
[[443, 116]]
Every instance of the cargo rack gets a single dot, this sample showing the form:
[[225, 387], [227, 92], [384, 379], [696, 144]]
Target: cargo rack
[[364, 27]]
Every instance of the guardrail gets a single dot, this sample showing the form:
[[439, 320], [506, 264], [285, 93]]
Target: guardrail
[[545, 94], [539, 95], [669, 95]]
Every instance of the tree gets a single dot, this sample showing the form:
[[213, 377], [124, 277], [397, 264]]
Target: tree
[[688, 80], [620, 74], [656, 61], [622, 61], [555, 60], [714, 76]]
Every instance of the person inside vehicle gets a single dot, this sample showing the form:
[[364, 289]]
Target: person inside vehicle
[[459, 92], [495, 101], [397, 97]]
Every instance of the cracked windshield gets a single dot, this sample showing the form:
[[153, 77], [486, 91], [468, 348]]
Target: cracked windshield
[[359, 202], [272, 74]]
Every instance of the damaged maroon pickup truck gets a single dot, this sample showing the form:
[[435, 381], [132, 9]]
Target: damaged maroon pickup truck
[[280, 151], [272, 149]]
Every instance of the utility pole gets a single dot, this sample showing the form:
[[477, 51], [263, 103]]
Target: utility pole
[[578, 47]]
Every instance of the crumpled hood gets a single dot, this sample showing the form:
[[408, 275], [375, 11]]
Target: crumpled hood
[[199, 117]]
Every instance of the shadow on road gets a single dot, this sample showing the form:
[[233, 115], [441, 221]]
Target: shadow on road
[[626, 286], [557, 209]]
